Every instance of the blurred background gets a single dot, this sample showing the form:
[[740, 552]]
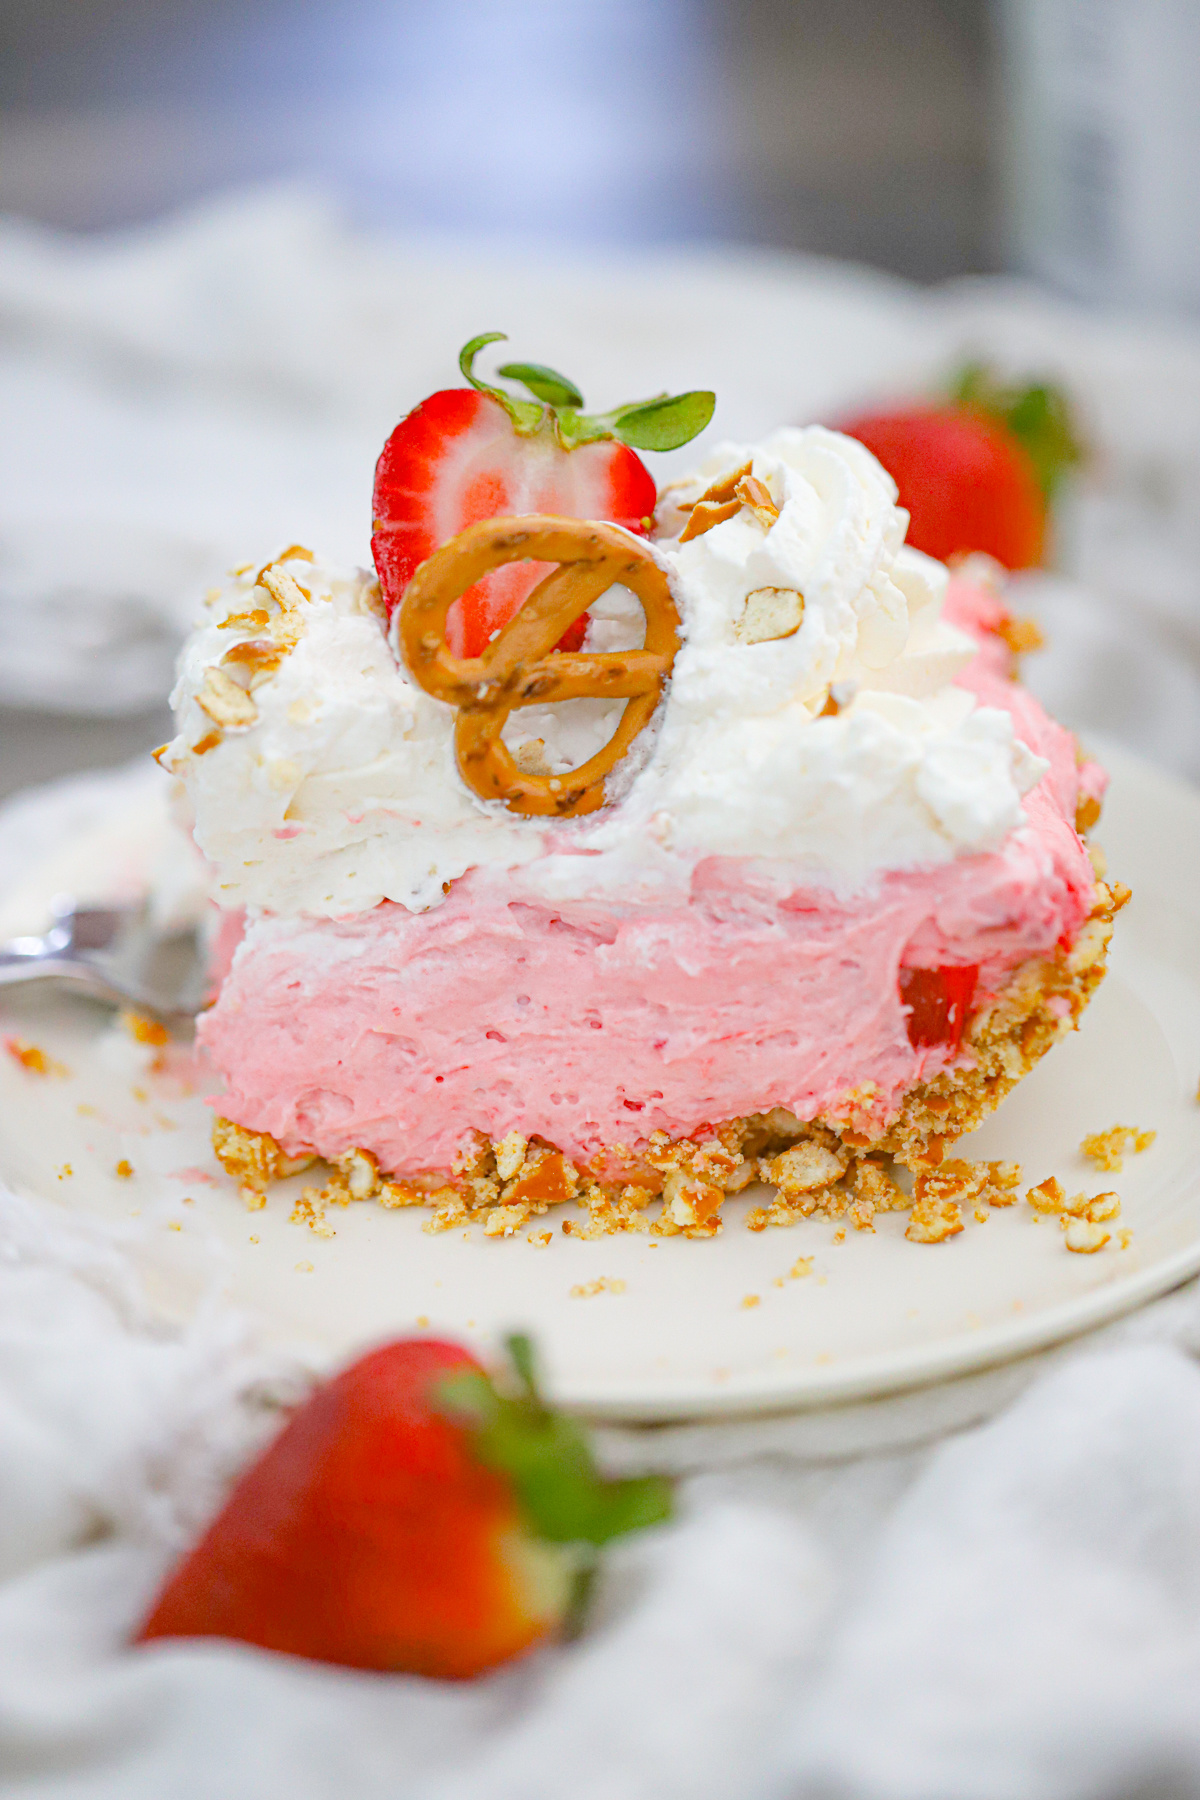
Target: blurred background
[[858, 129], [241, 237]]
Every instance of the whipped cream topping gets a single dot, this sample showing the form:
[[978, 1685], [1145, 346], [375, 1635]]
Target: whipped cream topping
[[322, 778]]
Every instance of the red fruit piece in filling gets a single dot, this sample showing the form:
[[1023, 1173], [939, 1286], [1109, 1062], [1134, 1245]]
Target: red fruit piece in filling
[[938, 1001]]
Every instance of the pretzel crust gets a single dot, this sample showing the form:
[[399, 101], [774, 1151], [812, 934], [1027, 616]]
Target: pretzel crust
[[521, 667]]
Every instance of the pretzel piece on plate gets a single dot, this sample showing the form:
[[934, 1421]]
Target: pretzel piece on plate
[[521, 667]]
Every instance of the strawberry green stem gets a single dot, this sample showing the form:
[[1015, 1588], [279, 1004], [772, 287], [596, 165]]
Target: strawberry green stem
[[547, 1458], [663, 422], [1039, 416]]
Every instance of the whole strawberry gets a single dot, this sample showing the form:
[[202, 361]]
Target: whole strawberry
[[412, 1516], [480, 452], [978, 472]]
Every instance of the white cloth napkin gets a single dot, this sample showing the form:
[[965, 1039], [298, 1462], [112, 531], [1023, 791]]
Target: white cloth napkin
[[983, 1589]]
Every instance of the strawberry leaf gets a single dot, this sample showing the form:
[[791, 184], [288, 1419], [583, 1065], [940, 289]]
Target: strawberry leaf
[[547, 1458], [1038, 416], [666, 422], [543, 383]]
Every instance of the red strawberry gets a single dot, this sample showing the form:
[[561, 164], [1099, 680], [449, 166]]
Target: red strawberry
[[979, 473], [480, 452], [409, 1517]]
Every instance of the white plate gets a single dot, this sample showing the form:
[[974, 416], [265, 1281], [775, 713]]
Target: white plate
[[682, 1337]]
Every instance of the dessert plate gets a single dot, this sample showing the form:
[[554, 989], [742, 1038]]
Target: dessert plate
[[636, 1327]]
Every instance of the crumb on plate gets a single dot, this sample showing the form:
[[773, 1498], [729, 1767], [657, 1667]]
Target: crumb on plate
[[33, 1057], [143, 1029], [1108, 1149]]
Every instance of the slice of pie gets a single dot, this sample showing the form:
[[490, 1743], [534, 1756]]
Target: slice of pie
[[618, 853]]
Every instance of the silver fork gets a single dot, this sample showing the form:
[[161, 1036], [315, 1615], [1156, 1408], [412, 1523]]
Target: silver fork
[[114, 954]]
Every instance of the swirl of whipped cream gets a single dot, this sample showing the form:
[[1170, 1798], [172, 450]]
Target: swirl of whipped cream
[[322, 779], [834, 543]]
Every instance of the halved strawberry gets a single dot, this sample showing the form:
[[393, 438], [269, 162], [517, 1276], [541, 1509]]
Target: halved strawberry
[[412, 1515], [479, 452]]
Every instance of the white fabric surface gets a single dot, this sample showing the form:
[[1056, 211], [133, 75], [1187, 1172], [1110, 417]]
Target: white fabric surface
[[988, 1589], [985, 1589]]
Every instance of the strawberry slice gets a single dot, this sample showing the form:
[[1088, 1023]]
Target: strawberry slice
[[979, 473], [410, 1516], [480, 452], [938, 1001]]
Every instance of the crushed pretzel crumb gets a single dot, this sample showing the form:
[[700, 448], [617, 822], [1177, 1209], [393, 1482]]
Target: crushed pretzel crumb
[[1085, 1238], [1021, 635], [603, 1284], [724, 499], [1087, 814], [33, 1057], [1048, 1196], [310, 1210], [259, 657], [876, 1188], [391, 1194], [143, 1030], [253, 1157], [124, 1169], [256, 619], [293, 553], [802, 1266], [226, 704], [932, 1221], [1108, 1149], [770, 613], [361, 1173], [510, 1155]]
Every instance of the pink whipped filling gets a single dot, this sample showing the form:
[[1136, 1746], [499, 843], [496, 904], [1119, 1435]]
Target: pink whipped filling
[[593, 1026]]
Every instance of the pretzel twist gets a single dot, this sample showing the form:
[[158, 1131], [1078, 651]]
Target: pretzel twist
[[521, 667]]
